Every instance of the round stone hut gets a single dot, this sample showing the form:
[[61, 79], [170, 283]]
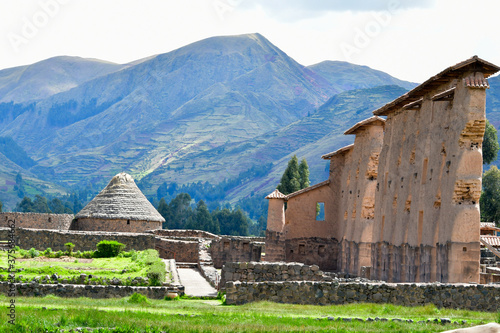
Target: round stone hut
[[121, 207]]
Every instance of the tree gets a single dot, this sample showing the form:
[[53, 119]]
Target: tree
[[202, 220], [1, 206], [490, 144], [290, 181], [304, 174], [490, 197]]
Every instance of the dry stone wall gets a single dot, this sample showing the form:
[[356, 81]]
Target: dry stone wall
[[180, 250], [231, 249], [185, 233], [456, 296], [80, 290], [38, 220], [84, 241], [266, 271]]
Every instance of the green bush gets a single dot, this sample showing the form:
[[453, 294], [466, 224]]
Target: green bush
[[138, 299], [69, 247], [33, 253], [108, 249], [47, 252], [156, 273], [87, 254]]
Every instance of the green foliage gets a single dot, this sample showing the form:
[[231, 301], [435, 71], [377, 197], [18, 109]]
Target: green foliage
[[33, 253], [136, 298], [39, 205], [156, 273], [290, 181], [490, 144], [47, 252], [490, 197], [304, 174], [146, 257], [69, 247], [1, 205], [108, 249]]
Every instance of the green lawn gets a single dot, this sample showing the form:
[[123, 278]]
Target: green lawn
[[118, 315], [72, 267]]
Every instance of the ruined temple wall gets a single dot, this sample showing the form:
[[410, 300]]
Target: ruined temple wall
[[427, 198], [37, 220], [357, 197], [87, 224]]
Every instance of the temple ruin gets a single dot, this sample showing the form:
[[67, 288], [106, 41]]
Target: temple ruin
[[402, 203]]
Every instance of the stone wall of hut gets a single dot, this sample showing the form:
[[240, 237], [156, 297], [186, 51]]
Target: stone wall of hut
[[37, 220], [86, 224]]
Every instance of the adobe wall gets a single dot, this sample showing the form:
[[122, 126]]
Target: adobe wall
[[427, 200], [85, 224], [84, 241], [454, 296], [357, 173], [37, 220], [229, 249], [275, 233], [180, 250]]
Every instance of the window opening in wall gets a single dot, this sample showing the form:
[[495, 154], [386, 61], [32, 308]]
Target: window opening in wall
[[420, 226], [246, 246], [464, 249], [320, 211], [226, 245], [50, 219], [321, 249], [128, 221], [424, 170], [302, 249]]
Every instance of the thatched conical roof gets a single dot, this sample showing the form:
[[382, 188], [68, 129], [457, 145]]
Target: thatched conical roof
[[121, 200]]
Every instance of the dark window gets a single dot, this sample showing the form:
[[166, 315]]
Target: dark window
[[320, 211]]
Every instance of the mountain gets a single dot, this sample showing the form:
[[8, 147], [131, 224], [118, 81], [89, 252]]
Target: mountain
[[346, 76], [309, 137], [203, 112], [46, 78]]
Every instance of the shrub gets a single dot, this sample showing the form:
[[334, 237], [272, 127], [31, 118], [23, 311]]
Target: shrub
[[138, 299], [58, 254], [33, 253], [69, 247], [108, 249], [87, 254], [47, 252], [156, 273]]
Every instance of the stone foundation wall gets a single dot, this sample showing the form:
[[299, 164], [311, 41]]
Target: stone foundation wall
[[115, 225], [80, 290], [232, 249], [180, 250], [84, 241], [457, 296], [38, 220], [266, 271], [318, 251], [185, 233]]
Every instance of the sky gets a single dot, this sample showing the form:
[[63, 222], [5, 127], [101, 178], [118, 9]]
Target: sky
[[409, 39]]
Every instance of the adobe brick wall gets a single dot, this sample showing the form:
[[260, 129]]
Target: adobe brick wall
[[115, 225], [37, 220], [84, 241]]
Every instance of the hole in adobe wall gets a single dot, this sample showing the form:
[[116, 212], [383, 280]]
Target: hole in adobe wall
[[464, 249], [128, 221], [302, 249], [50, 219]]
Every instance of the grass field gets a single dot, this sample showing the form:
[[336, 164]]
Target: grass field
[[70, 268], [51, 314]]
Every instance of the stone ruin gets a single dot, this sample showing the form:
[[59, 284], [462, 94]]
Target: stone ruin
[[401, 204]]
